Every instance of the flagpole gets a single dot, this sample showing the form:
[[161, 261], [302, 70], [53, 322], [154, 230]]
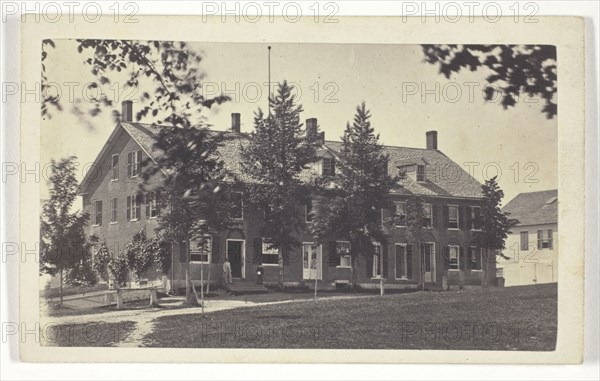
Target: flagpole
[[269, 84]]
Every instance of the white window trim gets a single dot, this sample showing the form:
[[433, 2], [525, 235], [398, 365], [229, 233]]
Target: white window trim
[[480, 258], [349, 256], [396, 212], [457, 257], [111, 222], [417, 173], [379, 259], [134, 163], [133, 199], [94, 210], [112, 167], [430, 214], [405, 277], [241, 208], [472, 217], [209, 253], [153, 203], [262, 252], [457, 217]]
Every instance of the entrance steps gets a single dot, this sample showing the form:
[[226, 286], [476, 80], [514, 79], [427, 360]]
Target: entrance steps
[[240, 286]]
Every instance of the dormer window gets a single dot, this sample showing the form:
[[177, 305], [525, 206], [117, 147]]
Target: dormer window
[[328, 166], [420, 173]]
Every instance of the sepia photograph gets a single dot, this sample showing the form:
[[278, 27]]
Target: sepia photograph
[[224, 192], [290, 195]]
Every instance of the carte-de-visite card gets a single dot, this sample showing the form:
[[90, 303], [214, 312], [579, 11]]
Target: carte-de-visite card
[[215, 191]]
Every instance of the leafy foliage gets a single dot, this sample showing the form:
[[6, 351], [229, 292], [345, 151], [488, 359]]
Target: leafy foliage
[[142, 253], [173, 71], [119, 268], [496, 224], [278, 151], [82, 274], [515, 69], [101, 261], [360, 190], [63, 244]]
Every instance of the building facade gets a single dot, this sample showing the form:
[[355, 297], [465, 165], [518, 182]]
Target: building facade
[[532, 248], [450, 243]]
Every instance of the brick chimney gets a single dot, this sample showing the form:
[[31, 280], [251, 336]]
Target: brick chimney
[[431, 139], [127, 111], [322, 137], [235, 122], [311, 128]]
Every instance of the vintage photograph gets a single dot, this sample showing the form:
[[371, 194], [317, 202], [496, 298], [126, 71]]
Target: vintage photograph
[[288, 195]]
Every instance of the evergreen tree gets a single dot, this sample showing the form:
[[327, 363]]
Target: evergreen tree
[[495, 224], [63, 245], [278, 151], [193, 196], [360, 191]]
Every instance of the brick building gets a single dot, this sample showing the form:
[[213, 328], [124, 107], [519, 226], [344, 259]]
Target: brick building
[[452, 198]]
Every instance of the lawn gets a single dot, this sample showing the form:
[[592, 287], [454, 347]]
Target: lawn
[[95, 334], [515, 318]]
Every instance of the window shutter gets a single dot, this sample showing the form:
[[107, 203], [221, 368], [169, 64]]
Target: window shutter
[[332, 255], [148, 201], [369, 265], [468, 218], [384, 269], [550, 243], [139, 162], [539, 239], [137, 206], [157, 196], [446, 216], [462, 263], [258, 250], [461, 217], [409, 261], [129, 160], [128, 208]]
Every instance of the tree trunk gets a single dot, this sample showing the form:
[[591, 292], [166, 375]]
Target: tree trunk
[[208, 281], [153, 298], [280, 267], [202, 286], [484, 267], [119, 298], [61, 287], [190, 292]]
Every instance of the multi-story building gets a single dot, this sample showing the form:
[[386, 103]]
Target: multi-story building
[[450, 243], [532, 247]]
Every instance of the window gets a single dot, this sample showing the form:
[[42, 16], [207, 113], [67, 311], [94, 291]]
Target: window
[[544, 239], [133, 208], [452, 217], [98, 212], [113, 210], [475, 218], [525, 241], [151, 205], [404, 261], [237, 205], [420, 173], [270, 253], [453, 257], [114, 167], [475, 258], [328, 166], [343, 252], [201, 249], [308, 211], [428, 218], [400, 219], [134, 163], [377, 260]]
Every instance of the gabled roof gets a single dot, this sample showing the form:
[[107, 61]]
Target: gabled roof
[[444, 177], [534, 208]]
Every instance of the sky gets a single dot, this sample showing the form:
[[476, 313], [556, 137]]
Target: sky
[[406, 96]]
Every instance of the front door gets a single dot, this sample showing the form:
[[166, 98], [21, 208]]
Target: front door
[[235, 253], [429, 257], [311, 261]]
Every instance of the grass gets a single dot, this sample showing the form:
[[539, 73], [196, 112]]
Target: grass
[[96, 334], [515, 318]]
